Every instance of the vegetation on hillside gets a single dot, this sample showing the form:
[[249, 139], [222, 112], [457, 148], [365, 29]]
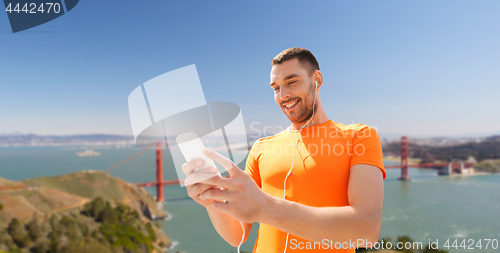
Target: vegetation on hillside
[[492, 166], [97, 228]]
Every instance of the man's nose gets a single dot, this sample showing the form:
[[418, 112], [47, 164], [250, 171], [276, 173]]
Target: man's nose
[[284, 94]]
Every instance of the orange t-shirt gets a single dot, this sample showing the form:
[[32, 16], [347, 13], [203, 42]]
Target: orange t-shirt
[[320, 174]]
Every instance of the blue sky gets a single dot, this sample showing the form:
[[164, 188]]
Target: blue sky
[[427, 68]]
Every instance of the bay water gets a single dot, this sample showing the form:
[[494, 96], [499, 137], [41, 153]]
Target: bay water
[[428, 208]]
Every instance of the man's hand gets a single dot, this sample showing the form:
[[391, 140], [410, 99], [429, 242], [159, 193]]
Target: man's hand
[[239, 197], [194, 190]]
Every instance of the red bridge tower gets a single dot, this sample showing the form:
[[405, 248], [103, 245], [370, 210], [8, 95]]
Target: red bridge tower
[[404, 158], [159, 174]]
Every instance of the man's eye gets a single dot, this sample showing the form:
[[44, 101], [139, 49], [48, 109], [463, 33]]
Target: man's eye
[[292, 82], [277, 88]]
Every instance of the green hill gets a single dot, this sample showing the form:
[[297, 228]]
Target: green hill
[[4, 181], [92, 184], [66, 198]]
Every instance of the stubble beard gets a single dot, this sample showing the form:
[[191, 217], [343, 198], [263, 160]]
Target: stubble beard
[[306, 111]]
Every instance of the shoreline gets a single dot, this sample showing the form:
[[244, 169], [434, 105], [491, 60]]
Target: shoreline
[[479, 173]]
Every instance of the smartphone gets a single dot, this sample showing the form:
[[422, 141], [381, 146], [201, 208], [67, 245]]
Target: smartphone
[[192, 147]]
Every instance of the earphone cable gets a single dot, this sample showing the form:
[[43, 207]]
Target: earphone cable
[[293, 155]]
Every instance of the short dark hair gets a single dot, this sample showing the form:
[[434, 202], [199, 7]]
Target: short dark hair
[[305, 57]]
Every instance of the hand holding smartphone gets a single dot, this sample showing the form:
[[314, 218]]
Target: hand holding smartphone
[[192, 147]]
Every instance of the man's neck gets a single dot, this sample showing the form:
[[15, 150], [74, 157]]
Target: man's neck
[[318, 118]]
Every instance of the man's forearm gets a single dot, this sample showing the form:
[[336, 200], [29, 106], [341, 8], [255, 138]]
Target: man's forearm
[[228, 227], [317, 223]]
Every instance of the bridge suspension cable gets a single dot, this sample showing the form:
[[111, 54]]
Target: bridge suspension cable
[[128, 159]]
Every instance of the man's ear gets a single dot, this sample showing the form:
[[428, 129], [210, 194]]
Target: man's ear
[[318, 78]]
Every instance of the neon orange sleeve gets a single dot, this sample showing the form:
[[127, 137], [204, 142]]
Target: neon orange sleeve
[[252, 165], [367, 149]]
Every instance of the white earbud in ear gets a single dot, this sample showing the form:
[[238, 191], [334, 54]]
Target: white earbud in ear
[[316, 84]]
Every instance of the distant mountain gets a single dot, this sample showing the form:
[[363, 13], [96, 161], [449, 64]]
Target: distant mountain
[[442, 149], [493, 138], [11, 134], [18, 139], [394, 136]]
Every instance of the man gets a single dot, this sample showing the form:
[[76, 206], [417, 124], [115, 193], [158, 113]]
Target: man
[[332, 175]]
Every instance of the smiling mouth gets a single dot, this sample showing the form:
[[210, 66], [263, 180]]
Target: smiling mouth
[[291, 105]]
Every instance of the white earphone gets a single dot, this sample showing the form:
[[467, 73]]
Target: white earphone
[[293, 155], [289, 172]]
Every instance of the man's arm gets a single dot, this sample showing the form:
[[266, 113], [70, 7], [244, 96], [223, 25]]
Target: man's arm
[[228, 227], [362, 219], [247, 202]]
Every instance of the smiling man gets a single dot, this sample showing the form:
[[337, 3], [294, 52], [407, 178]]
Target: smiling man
[[315, 187]]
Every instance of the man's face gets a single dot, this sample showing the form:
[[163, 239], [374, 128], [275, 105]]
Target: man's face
[[293, 90]]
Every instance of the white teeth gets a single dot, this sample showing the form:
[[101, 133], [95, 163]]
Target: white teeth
[[290, 105]]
